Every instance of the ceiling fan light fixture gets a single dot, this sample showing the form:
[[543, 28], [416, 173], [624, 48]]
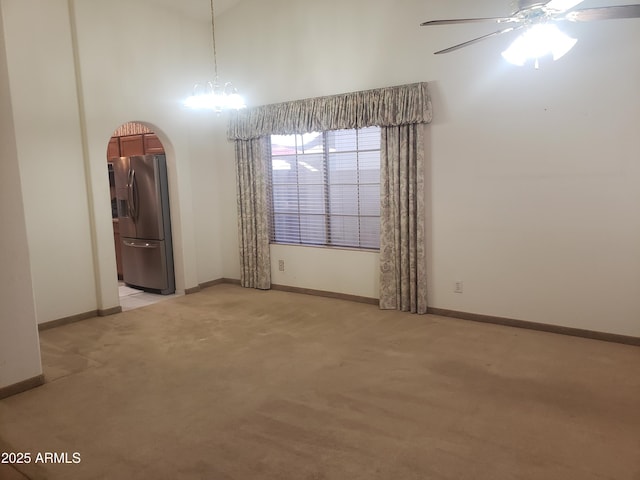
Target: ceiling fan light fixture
[[537, 42]]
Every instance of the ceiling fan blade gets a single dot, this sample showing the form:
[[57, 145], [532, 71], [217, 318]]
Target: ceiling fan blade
[[562, 5], [468, 20], [525, 4], [479, 39], [604, 13]]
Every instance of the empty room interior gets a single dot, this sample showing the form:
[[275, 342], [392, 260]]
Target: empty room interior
[[293, 239]]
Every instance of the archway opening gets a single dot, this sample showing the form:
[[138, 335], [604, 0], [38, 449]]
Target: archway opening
[[141, 218]]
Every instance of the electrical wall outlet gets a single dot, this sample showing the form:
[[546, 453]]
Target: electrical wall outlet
[[457, 286], [281, 265]]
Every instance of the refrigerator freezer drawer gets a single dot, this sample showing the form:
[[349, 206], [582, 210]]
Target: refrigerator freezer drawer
[[145, 264]]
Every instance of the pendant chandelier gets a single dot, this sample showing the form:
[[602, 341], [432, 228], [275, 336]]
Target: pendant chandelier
[[213, 95]]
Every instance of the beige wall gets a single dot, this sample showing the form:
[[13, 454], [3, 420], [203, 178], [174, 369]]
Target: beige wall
[[19, 346], [327, 269], [132, 60], [534, 174], [49, 147], [105, 63]]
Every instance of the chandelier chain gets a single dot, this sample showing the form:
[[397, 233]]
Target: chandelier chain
[[213, 42], [213, 95]]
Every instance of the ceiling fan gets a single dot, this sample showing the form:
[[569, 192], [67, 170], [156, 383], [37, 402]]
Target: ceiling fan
[[539, 20]]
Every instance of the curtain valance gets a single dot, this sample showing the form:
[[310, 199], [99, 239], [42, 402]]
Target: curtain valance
[[385, 107]]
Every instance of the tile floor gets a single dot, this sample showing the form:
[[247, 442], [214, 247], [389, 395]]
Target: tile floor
[[132, 298]]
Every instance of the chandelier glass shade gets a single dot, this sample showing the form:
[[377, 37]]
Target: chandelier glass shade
[[216, 97], [212, 95]]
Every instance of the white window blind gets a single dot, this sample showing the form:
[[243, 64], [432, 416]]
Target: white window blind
[[326, 188]]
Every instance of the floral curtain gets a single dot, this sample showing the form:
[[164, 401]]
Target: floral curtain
[[401, 105], [253, 212], [400, 110], [403, 278]]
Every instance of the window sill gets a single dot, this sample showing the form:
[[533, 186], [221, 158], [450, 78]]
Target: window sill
[[327, 247]]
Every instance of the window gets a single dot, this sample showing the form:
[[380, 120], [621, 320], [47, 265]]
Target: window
[[326, 188]]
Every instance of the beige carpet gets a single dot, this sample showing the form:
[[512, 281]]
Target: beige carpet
[[232, 383]]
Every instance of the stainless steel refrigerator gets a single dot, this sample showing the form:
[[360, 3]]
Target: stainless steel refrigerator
[[142, 197]]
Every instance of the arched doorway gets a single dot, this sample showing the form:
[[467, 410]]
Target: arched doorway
[[141, 218]]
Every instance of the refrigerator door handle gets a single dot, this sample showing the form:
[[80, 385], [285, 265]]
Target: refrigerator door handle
[[129, 243], [130, 194], [134, 195]]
